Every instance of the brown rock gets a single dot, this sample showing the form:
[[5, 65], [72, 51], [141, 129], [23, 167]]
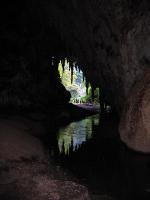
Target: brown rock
[[16, 142], [31, 181], [135, 123]]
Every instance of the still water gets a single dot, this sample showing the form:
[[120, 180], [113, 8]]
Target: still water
[[76, 134], [91, 150]]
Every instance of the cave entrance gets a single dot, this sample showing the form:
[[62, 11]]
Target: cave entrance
[[72, 77]]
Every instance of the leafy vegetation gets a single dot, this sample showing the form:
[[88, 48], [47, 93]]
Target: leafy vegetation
[[74, 83]]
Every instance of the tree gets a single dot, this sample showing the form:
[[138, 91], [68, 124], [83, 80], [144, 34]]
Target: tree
[[77, 87]]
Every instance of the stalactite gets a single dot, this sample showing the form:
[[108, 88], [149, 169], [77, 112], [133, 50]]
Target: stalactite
[[75, 64], [63, 64], [67, 60], [76, 67], [56, 62], [69, 65], [83, 77], [52, 61]]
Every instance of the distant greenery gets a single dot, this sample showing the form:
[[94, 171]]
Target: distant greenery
[[88, 98], [78, 87]]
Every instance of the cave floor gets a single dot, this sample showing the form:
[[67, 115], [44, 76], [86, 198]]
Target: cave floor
[[85, 156], [91, 151]]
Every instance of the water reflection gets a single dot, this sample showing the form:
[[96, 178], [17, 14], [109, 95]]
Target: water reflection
[[76, 133]]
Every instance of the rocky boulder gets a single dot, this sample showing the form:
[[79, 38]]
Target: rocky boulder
[[135, 123], [26, 173]]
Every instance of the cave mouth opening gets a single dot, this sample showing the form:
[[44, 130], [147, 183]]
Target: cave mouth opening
[[73, 79]]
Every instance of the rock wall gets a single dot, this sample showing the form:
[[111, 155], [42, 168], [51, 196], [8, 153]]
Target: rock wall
[[109, 40], [135, 121], [27, 77]]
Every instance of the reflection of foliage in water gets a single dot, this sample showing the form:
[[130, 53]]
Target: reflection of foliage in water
[[76, 133], [64, 140]]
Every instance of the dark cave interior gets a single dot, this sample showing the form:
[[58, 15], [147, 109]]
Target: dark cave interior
[[110, 41]]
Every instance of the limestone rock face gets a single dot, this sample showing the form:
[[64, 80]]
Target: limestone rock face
[[108, 39], [135, 122], [17, 143]]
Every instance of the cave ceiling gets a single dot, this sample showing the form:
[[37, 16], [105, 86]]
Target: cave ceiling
[[109, 39]]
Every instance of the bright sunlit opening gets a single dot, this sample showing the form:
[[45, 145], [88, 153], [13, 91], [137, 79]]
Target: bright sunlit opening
[[74, 81]]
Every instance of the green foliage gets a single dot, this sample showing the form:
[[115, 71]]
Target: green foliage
[[78, 87], [88, 97]]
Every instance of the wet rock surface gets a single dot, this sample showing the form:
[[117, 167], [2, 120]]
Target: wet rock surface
[[135, 123], [26, 173], [28, 179]]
